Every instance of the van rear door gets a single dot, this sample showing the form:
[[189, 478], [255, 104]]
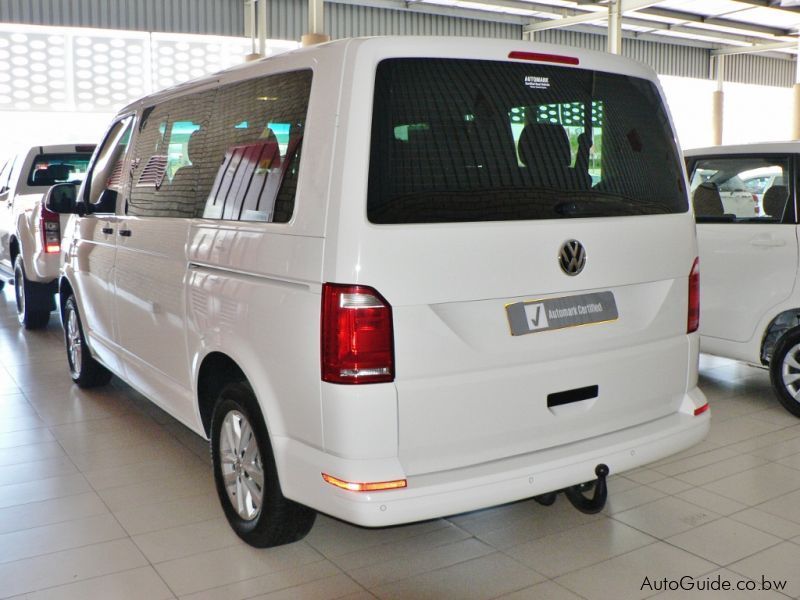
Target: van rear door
[[529, 225]]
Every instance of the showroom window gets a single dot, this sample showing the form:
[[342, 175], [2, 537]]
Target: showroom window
[[254, 149], [741, 189]]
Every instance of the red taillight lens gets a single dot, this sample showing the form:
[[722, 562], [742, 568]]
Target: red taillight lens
[[693, 321], [51, 231], [701, 410], [357, 340]]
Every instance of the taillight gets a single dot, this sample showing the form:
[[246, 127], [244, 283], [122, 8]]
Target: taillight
[[755, 203], [693, 321], [51, 231], [357, 340]]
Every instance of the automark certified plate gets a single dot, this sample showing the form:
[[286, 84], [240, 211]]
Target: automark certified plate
[[534, 316]]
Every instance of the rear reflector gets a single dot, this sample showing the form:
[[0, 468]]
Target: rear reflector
[[539, 57], [357, 344], [693, 318], [702, 409], [365, 487]]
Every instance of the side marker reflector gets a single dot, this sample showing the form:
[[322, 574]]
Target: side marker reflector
[[702, 409], [365, 487]]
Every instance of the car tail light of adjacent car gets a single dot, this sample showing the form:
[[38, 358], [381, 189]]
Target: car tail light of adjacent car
[[51, 231], [357, 337], [693, 321]]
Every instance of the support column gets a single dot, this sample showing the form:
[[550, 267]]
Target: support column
[[316, 24], [262, 27], [718, 99], [615, 27], [252, 28], [796, 104]]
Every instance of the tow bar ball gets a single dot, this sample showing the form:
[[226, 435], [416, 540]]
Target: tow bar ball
[[575, 495]]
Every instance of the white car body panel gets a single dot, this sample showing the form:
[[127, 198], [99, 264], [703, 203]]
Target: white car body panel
[[464, 420], [749, 271]]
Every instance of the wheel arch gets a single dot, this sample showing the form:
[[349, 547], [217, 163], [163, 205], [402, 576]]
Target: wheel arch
[[216, 370], [779, 325], [13, 249]]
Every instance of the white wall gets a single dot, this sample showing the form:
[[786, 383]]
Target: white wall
[[751, 113]]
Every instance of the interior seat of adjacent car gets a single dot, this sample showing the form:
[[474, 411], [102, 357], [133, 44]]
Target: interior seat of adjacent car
[[42, 177], [775, 201], [707, 201]]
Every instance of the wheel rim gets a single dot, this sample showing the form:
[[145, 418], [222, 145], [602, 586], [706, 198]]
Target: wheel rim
[[19, 293], [790, 372], [240, 462], [74, 342]]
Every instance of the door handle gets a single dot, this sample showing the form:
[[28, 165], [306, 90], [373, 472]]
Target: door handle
[[767, 241], [107, 230], [125, 232]]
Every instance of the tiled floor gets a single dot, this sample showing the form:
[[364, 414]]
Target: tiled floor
[[103, 496]]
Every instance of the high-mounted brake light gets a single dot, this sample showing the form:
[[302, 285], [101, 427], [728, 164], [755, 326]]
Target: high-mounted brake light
[[539, 57], [357, 338], [51, 231], [693, 319], [365, 487]]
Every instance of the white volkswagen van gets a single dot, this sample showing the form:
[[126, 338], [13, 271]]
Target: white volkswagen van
[[396, 278]]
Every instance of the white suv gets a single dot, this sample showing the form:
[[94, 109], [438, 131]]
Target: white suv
[[750, 300], [30, 236], [396, 278]]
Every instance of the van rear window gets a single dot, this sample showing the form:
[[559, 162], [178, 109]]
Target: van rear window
[[468, 140]]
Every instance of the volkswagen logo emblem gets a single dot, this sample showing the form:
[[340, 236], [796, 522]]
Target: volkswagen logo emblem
[[572, 257]]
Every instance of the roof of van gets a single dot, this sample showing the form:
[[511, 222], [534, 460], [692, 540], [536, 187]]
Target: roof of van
[[759, 147], [419, 44]]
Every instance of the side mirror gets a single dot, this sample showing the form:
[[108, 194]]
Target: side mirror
[[60, 198]]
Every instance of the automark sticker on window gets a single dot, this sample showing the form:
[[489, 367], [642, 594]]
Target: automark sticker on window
[[537, 83], [557, 313]]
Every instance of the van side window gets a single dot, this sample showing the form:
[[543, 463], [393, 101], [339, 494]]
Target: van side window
[[742, 189], [106, 179], [254, 149], [169, 155]]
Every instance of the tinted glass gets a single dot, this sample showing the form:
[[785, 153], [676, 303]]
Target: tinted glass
[[741, 189], [465, 140], [107, 175], [170, 157], [254, 148], [48, 169]]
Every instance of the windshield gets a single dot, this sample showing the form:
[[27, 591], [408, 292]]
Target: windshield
[[468, 140], [49, 169]]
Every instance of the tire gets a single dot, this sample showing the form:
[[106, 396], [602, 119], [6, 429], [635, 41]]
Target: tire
[[84, 369], [2, 284], [34, 301], [246, 477], [784, 370]]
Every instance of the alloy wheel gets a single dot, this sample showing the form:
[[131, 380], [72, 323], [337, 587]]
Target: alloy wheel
[[74, 341], [240, 462]]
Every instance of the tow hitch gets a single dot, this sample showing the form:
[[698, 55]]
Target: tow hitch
[[575, 495]]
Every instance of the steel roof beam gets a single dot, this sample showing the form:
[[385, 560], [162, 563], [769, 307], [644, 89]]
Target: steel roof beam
[[754, 49]]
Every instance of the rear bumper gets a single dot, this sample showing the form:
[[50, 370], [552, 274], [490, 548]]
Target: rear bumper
[[480, 486], [44, 268]]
